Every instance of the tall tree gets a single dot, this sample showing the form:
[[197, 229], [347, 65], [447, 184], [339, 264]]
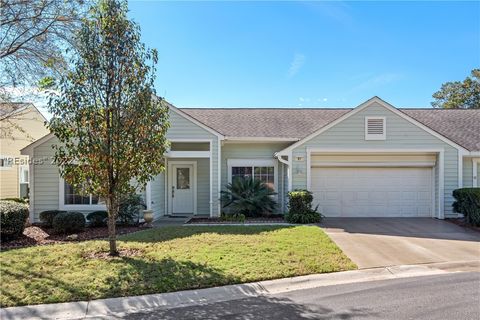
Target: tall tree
[[34, 38], [459, 95], [110, 124]]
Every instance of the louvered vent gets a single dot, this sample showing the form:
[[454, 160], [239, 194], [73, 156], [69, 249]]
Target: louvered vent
[[374, 128]]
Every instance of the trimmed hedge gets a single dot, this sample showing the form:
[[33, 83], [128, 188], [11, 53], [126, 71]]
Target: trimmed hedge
[[300, 208], [69, 222], [97, 218], [468, 203], [13, 217], [19, 200], [47, 217]]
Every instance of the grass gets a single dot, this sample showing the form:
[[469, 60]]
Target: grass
[[170, 259]]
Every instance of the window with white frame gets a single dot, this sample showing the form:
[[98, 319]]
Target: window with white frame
[[375, 128], [259, 169], [71, 197], [23, 181]]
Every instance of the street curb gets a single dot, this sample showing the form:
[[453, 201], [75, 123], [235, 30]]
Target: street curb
[[121, 306]]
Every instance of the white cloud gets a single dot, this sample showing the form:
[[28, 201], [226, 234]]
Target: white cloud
[[296, 64], [325, 99], [377, 81]]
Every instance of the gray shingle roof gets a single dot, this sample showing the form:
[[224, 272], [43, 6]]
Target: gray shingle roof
[[460, 126]]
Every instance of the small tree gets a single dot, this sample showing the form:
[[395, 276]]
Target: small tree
[[110, 125]]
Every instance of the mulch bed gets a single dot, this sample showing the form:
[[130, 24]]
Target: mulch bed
[[40, 235], [461, 222], [259, 220]]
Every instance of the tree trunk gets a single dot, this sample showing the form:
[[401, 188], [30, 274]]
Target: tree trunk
[[112, 220]]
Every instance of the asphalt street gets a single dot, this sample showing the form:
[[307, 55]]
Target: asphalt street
[[451, 296]]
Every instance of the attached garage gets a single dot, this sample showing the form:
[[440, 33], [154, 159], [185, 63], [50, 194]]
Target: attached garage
[[374, 186]]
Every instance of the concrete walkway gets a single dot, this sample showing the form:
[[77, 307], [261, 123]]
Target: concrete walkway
[[381, 242], [120, 307]]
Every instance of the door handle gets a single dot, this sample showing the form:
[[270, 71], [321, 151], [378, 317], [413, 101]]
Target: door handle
[[173, 191]]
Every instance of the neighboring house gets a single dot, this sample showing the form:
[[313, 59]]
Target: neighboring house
[[20, 124], [371, 161]]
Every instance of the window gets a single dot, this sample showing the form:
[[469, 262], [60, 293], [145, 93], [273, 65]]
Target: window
[[72, 198], [5, 162], [375, 128], [263, 170], [23, 170]]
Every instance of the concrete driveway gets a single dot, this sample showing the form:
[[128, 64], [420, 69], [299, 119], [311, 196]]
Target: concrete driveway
[[380, 242]]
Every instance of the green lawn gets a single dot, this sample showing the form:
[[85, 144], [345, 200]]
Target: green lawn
[[170, 259]]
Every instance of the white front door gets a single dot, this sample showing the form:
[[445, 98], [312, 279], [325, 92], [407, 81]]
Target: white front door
[[182, 189]]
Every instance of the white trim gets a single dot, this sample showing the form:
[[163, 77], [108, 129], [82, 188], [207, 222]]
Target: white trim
[[460, 169], [475, 163], [193, 120], [309, 167], [374, 150], [171, 163], [165, 184], [211, 180], [219, 176], [28, 149], [259, 139], [360, 108], [72, 207], [190, 140], [382, 136], [473, 154], [441, 185], [148, 195], [253, 162], [290, 170], [31, 191], [433, 192], [188, 154], [405, 164]]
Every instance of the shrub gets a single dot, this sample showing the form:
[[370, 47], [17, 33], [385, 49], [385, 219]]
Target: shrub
[[232, 217], [300, 208], [19, 200], [468, 203], [129, 210], [13, 217], [47, 217], [68, 222], [249, 197], [97, 218]]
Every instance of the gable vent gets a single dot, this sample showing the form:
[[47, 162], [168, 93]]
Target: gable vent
[[375, 128]]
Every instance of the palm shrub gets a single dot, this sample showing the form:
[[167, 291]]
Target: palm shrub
[[13, 217], [300, 208], [467, 202], [249, 197]]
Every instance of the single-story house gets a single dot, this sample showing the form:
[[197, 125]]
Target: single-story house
[[374, 160]]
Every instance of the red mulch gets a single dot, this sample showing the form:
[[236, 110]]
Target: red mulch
[[266, 220], [40, 235], [462, 223]]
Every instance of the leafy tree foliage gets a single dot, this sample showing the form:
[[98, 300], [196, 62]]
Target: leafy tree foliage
[[34, 38], [459, 95], [109, 122]]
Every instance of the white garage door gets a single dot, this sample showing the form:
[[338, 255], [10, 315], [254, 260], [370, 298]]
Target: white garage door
[[373, 192]]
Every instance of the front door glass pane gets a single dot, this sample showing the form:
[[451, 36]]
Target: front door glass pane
[[183, 178]]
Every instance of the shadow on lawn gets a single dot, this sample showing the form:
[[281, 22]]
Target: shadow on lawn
[[131, 276], [171, 233]]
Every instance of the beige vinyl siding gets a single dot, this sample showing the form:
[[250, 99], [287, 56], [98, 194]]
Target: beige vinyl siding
[[400, 133], [232, 150], [32, 122]]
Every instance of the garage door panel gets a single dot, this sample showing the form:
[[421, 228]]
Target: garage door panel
[[373, 192]]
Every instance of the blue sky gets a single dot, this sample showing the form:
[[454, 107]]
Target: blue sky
[[308, 54]]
